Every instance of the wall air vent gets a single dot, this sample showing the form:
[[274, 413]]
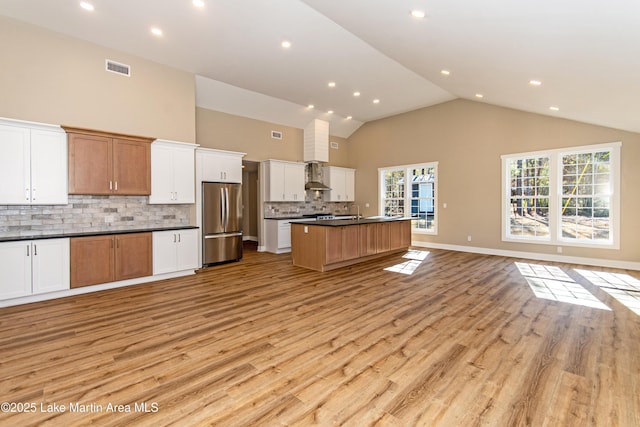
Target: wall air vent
[[276, 134], [118, 68], [335, 145]]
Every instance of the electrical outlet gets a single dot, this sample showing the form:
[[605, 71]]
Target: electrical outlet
[[559, 249], [469, 238]]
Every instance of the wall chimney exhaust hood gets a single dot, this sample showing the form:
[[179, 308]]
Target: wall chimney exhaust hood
[[316, 150], [313, 175], [316, 141]]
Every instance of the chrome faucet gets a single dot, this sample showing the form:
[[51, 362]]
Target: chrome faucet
[[358, 208]]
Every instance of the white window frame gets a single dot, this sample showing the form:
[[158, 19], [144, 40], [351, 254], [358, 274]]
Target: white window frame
[[407, 193], [555, 196]]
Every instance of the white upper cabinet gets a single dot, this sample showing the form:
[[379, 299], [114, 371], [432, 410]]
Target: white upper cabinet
[[219, 165], [284, 181], [33, 164], [342, 184], [172, 173]]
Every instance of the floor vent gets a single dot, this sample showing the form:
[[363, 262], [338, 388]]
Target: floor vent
[[118, 68]]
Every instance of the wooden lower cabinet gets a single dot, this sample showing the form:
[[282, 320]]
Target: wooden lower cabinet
[[399, 234], [368, 239], [133, 255], [342, 243], [326, 247], [103, 259]]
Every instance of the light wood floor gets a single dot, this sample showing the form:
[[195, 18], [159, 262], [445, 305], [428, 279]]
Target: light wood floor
[[463, 341]]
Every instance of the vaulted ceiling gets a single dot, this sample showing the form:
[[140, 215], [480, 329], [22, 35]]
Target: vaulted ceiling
[[576, 59]]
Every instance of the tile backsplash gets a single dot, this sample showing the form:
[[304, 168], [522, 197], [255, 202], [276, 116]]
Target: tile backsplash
[[313, 203], [90, 213]]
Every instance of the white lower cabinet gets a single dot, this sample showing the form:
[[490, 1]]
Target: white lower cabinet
[[33, 267], [175, 250], [277, 236]]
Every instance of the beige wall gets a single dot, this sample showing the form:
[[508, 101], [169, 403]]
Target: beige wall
[[51, 78], [229, 132], [467, 139]]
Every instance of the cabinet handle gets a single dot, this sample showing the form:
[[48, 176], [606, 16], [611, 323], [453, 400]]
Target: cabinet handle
[[116, 185], [174, 237], [35, 250], [33, 194], [26, 194], [179, 239], [27, 250]]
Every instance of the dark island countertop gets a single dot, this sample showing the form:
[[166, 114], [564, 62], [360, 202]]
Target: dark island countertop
[[343, 222], [6, 237]]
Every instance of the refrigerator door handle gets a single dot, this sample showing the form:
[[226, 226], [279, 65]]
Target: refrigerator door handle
[[222, 235], [222, 209], [226, 205]]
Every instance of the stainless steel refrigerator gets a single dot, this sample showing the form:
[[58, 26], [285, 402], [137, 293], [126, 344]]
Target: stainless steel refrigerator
[[221, 222]]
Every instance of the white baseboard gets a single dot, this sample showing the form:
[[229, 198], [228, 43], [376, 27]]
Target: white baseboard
[[597, 262]]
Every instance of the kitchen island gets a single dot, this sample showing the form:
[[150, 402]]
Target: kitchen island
[[330, 244]]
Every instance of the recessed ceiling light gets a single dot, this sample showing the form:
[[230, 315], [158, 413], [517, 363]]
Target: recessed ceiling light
[[311, 106], [535, 82], [156, 31], [286, 44], [198, 3], [417, 14], [554, 108], [331, 84], [479, 95], [445, 72], [330, 111], [349, 117], [356, 93], [376, 101], [86, 5]]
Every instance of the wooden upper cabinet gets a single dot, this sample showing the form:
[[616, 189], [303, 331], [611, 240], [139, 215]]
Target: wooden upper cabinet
[[101, 163], [131, 167]]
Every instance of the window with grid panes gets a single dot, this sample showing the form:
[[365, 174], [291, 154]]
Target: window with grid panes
[[564, 197], [410, 191]]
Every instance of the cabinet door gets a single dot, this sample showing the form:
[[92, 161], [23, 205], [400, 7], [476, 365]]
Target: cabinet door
[[162, 174], [284, 234], [221, 167], [164, 251], [382, 237], [350, 185], [92, 260], [399, 234], [14, 165], [333, 244], [133, 256], [50, 264], [15, 269], [49, 168], [276, 182], [187, 250], [350, 242], [90, 164], [368, 239], [184, 176], [294, 182], [131, 167]]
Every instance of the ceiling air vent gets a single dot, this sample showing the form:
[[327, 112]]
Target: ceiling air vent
[[118, 68]]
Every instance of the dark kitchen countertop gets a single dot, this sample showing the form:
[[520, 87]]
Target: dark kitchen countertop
[[282, 218], [6, 237], [343, 222]]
